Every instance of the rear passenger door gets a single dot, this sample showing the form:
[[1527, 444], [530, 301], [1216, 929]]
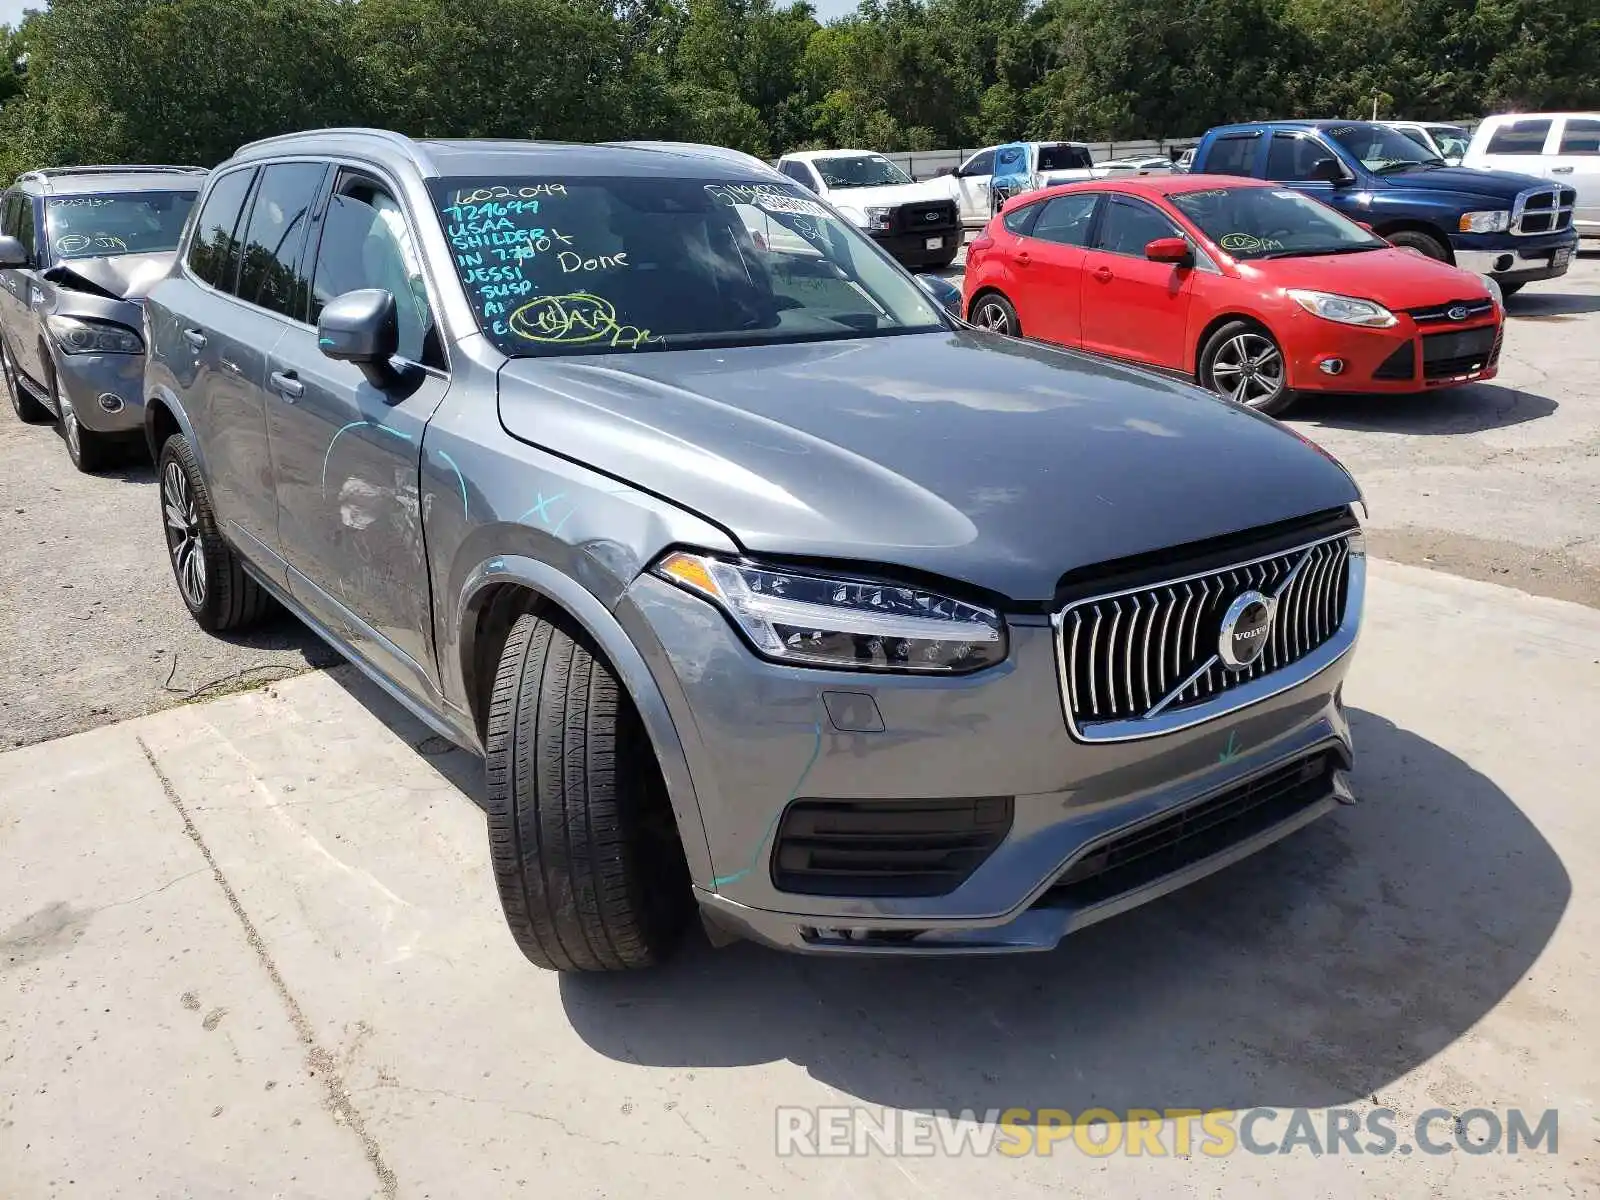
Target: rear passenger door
[[25, 299], [348, 454], [1575, 160], [216, 349]]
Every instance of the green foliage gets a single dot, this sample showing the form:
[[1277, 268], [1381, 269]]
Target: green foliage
[[189, 80]]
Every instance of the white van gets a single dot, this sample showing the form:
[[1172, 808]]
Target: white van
[[1561, 147]]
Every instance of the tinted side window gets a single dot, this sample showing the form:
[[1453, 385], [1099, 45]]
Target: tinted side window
[[366, 243], [1019, 220], [981, 163], [1291, 157], [22, 230], [800, 173], [1580, 136], [1066, 219], [1129, 226], [1233, 155], [1519, 137], [214, 245], [270, 273]]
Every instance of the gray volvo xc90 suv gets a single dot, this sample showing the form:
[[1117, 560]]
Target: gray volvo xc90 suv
[[760, 582]]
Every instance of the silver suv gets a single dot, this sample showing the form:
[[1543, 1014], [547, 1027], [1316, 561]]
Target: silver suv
[[762, 584], [79, 246]]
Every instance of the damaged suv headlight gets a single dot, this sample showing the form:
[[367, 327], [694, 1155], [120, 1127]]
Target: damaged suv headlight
[[77, 336], [817, 620]]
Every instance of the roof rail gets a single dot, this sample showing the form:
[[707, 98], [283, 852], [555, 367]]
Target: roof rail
[[398, 140], [113, 169]]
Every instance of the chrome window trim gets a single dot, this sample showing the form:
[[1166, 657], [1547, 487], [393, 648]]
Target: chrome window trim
[[1159, 722]]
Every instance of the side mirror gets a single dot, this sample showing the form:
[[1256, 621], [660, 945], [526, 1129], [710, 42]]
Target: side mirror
[[362, 327], [1365, 226], [12, 253], [943, 171], [1169, 250], [945, 294], [1329, 170]]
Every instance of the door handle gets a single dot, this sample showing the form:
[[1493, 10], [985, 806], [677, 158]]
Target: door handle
[[230, 366], [1103, 274], [195, 338], [287, 386], [1024, 258], [1561, 170]]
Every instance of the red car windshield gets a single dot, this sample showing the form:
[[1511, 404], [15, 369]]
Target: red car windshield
[[1257, 222]]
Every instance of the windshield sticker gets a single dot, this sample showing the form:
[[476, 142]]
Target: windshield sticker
[[578, 319]]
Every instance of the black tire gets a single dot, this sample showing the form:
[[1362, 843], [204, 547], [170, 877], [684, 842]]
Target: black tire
[[1248, 359], [1417, 240], [944, 263], [1511, 289], [994, 312], [89, 451], [582, 838], [28, 410], [213, 584]]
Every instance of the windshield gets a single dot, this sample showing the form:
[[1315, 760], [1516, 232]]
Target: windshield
[[1452, 140], [1064, 158], [1382, 149], [126, 223], [859, 170], [1257, 222], [597, 266]]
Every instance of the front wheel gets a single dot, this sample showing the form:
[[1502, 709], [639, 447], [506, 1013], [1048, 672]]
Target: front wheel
[[1242, 362], [1423, 243], [25, 406], [1511, 289], [582, 838], [996, 314]]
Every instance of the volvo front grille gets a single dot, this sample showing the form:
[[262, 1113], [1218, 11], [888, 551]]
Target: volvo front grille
[[1147, 660]]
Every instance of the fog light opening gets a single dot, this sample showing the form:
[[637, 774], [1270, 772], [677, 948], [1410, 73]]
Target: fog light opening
[[110, 402], [1505, 262], [1331, 366]]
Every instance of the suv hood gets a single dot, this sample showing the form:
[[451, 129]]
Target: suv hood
[[961, 454], [888, 196], [1502, 185], [118, 276]]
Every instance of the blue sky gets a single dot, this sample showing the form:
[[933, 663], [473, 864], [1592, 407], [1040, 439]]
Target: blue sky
[[11, 10]]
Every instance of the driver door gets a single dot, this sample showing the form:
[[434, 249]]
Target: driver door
[[972, 179], [1132, 307]]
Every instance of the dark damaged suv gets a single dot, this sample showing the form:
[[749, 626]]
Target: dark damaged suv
[[762, 584], [78, 248]]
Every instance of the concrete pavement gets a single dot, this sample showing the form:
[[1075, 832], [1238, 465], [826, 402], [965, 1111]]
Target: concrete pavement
[[251, 947]]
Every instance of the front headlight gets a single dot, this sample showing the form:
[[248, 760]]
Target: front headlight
[[816, 620], [879, 218], [854, 215], [1346, 310], [1494, 291], [1495, 221], [76, 336]]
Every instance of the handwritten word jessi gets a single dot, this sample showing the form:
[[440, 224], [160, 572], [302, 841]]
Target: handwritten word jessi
[[530, 191], [574, 320]]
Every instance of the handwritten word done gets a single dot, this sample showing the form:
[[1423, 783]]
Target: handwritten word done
[[571, 262]]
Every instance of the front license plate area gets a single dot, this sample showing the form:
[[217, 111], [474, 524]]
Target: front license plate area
[[935, 243]]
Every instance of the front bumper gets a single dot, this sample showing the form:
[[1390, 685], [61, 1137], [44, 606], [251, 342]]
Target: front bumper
[[759, 736], [1383, 361], [106, 390], [912, 249], [1514, 259]]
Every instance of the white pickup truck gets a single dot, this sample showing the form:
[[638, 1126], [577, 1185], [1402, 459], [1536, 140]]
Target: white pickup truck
[[1563, 148], [918, 223], [1049, 163]]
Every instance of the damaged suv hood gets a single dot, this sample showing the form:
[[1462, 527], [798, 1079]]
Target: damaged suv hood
[[963, 454], [116, 276]]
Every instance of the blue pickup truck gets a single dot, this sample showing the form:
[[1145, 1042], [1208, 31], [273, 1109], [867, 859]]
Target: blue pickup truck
[[1515, 228]]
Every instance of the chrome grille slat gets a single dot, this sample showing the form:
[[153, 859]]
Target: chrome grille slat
[[1145, 650]]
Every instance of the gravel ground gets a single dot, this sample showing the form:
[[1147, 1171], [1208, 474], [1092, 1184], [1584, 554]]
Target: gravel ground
[[1497, 481]]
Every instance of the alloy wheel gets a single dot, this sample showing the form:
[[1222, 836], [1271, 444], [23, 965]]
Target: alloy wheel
[[1248, 369], [183, 534], [992, 317], [69, 426]]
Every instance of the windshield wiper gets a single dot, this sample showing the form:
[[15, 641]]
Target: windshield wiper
[[1318, 252], [1405, 166]]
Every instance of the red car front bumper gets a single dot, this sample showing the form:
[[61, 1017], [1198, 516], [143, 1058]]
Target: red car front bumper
[[1414, 355]]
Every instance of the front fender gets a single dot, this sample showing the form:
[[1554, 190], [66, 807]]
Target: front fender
[[608, 634]]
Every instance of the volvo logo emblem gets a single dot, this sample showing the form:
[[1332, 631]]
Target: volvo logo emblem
[[1457, 313], [1246, 626]]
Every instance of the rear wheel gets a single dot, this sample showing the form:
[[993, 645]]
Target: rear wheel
[[1414, 239], [219, 594], [582, 838], [994, 312], [1511, 289], [1242, 362]]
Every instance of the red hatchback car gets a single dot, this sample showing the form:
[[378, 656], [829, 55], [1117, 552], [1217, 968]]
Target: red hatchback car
[[1251, 288]]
